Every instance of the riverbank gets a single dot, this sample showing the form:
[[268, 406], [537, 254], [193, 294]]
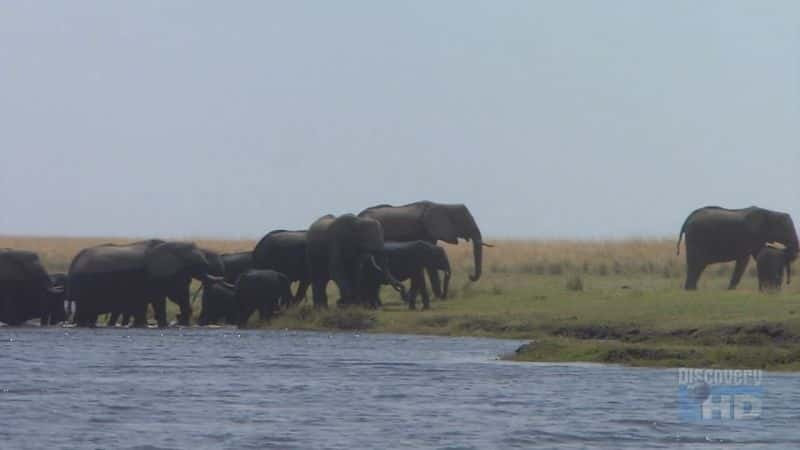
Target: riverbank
[[590, 301], [646, 322]]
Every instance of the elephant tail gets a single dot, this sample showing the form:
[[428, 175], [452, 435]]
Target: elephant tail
[[680, 236]]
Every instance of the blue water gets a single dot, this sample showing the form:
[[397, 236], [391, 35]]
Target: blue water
[[228, 389]]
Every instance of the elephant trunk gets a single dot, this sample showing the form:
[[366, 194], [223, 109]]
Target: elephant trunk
[[396, 285], [436, 283], [446, 286], [477, 249]]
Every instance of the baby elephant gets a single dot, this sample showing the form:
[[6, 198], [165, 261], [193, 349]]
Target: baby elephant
[[262, 290], [770, 263], [408, 260]]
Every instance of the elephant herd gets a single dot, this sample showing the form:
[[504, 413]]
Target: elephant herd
[[382, 245]]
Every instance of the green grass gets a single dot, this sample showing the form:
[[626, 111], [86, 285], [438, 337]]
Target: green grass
[[638, 320]]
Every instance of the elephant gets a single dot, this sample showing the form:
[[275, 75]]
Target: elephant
[[431, 222], [337, 249], [218, 303], [770, 264], [235, 264], [715, 234], [26, 290], [216, 268], [262, 290], [125, 278], [285, 252], [409, 260]]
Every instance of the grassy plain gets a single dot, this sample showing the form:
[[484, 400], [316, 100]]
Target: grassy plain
[[596, 301]]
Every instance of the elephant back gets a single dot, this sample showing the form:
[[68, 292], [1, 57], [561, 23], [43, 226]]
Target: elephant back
[[112, 258], [400, 223], [20, 265]]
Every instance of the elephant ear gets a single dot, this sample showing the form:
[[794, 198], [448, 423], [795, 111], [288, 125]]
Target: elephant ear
[[756, 222], [439, 225], [162, 261]]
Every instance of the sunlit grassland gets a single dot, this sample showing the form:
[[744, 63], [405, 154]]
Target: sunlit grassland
[[601, 301]]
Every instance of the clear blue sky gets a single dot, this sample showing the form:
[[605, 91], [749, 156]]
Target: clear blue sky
[[584, 119]]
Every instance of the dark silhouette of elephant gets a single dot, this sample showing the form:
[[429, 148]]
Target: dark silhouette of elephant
[[715, 234], [262, 290], [56, 307], [409, 260], [431, 222], [26, 290], [337, 249], [235, 264], [126, 278], [770, 264], [218, 303], [285, 251]]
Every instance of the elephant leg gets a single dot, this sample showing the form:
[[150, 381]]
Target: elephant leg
[[302, 287], [694, 267], [244, 316], [376, 296], [112, 319], [160, 311], [738, 271], [140, 316], [319, 294], [415, 289], [346, 293], [426, 299]]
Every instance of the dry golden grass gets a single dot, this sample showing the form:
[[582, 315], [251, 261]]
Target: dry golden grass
[[556, 257], [533, 257], [57, 252]]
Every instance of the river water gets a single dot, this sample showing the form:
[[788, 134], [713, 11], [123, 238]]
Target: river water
[[229, 389]]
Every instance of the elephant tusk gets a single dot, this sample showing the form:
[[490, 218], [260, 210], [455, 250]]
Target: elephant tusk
[[375, 263], [484, 244]]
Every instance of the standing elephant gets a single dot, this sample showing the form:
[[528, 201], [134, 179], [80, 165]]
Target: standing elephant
[[409, 260], [431, 222], [770, 264], [26, 290], [125, 278], [285, 252], [262, 290], [337, 249], [715, 234]]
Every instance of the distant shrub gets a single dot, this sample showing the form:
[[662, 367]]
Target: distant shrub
[[574, 283], [555, 269]]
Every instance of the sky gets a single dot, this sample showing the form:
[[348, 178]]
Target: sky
[[548, 119]]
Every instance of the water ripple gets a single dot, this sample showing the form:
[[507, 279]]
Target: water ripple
[[196, 388]]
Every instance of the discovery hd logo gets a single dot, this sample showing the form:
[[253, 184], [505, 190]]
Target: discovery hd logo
[[721, 395]]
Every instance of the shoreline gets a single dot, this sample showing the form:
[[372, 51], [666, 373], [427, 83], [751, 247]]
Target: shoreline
[[606, 301]]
